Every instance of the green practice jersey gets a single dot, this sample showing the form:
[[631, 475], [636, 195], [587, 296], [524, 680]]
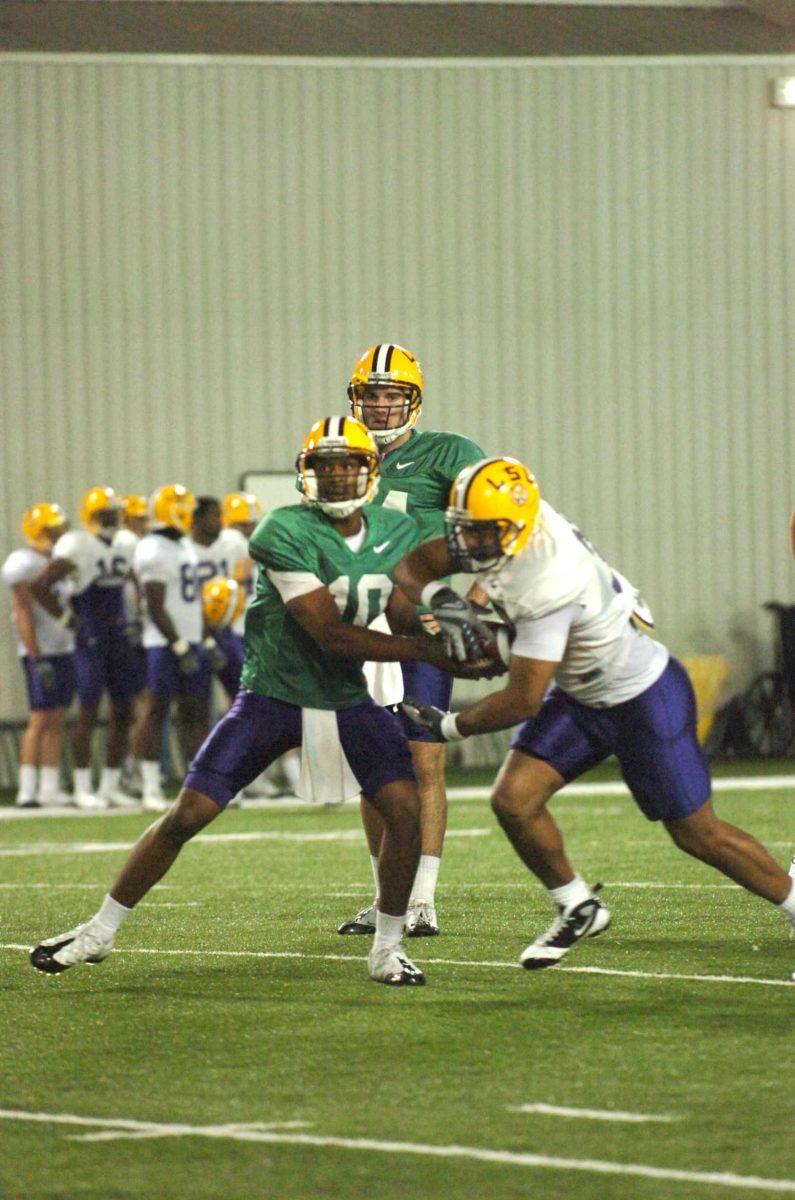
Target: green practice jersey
[[282, 660], [417, 477]]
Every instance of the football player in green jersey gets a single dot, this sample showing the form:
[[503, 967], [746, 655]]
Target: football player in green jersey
[[417, 472], [325, 574]]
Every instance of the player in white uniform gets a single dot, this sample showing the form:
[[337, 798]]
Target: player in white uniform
[[177, 665], [46, 651], [222, 553], [579, 623], [96, 562]]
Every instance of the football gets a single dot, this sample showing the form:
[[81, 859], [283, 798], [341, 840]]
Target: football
[[501, 633]]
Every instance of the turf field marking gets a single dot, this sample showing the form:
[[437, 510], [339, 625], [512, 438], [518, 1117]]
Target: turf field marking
[[427, 1150], [588, 1114], [445, 962]]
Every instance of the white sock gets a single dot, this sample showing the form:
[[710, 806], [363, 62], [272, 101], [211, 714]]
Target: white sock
[[425, 880], [788, 905], [109, 780], [572, 893], [150, 778], [111, 913], [388, 930], [291, 765], [48, 783], [377, 881], [82, 780], [28, 778], [792, 867]]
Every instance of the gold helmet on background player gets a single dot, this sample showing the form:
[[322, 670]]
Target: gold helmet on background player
[[100, 509], [385, 391], [338, 466], [172, 507], [136, 512], [43, 524], [493, 510], [223, 600], [241, 510]]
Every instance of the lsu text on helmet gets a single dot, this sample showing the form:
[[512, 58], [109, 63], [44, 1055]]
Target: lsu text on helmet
[[43, 524], [223, 601], [338, 466], [172, 507], [493, 510], [385, 391]]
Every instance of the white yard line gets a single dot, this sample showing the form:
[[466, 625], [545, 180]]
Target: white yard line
[[447, 962], [588, 1114], [509, 1158]]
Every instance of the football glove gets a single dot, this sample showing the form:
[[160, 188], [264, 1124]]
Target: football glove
[[45, 671], [440, 723], [218, 659], [462, 634], [188, 661]]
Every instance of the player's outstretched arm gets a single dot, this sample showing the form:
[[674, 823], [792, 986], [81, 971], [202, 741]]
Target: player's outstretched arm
[[422, 566], [42, 586]]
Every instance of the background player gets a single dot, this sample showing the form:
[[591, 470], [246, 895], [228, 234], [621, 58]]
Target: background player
[[96, 561], [46, 651], [177, 665], [325, 573], [417, 471], [618, 692]]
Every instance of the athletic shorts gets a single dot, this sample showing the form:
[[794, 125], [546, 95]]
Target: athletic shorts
[[107, 665], [653, 737], [164, 678], [429, 685], [62, 694], [232, 645], [258, 729]]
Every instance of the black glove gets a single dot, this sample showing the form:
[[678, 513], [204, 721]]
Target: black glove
[[188, 661], [45, 671], [463, 635], [218, 660], [431, 718]]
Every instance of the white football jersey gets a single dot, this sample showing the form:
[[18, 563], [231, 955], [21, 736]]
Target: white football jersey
[[227, 557], [22, 566], [96, 560], [128, 541], [172, 562], [606, 659]]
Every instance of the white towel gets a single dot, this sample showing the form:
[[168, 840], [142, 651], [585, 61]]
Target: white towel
[[326, 776], [384, 679]]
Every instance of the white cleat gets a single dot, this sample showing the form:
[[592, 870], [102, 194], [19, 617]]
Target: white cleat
[[262, 789], [154, 802], [85, 800], [391, 965], [115, 798], [27, 802], [586, 919], [421, 919], [56, 800], [88, 943]]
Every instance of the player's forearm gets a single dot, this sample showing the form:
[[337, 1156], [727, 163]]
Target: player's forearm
[[500, 710], [163, 622], [27, 631], [352, 641], [422, 566]]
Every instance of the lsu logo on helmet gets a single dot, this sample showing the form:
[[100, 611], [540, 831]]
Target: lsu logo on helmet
[[493, 510], [172, 507], [385, 391], [42, 524], [338, 466], [223, 601], [100, 509]]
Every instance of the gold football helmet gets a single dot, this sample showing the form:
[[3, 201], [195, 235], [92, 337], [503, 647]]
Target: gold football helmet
[[338, 466], [241, 508], [100, 509], [42, 525], [493, 510], [172, 507], [386, 386], [223, 601]]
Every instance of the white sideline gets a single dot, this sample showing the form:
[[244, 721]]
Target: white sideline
[[589, 1114], [510, 1158], [734, 783], [447, 962]]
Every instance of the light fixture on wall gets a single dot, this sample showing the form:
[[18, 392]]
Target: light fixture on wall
[[782, 92]]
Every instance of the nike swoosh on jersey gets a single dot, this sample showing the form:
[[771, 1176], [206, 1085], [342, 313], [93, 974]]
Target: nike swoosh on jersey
[[402, 466], [378, 549]]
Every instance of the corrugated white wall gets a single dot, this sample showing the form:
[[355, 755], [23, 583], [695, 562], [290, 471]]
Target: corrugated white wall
[[594, 260]]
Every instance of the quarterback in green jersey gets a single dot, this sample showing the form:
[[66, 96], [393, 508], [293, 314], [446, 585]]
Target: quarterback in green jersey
[[417, 472], [324, 573]]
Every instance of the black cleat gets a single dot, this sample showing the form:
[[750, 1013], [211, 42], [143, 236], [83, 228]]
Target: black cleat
[[362, 923]]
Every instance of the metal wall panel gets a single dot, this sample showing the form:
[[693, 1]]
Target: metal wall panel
[[595, 261]]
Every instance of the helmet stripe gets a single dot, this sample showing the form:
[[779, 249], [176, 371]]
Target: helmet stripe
[[379, 358], [388, 363], [339, 427], [326, 427]]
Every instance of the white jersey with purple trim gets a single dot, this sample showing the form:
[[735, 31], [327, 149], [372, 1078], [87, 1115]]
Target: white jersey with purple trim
[[22, 566], [128, 541], [105, 562], [605, 657], [227, 557], [172, 561]]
